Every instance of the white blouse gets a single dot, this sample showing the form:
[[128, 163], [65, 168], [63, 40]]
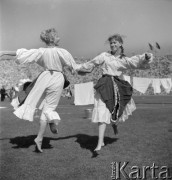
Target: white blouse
[[49, 58], [114, 66]]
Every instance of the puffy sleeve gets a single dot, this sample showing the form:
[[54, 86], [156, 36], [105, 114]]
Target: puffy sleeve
[[135, 62], [90, 65], [28, 56], [67, 60]]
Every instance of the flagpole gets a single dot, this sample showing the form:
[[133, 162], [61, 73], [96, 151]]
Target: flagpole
[[158, 47], [156, 56], [152, 49]]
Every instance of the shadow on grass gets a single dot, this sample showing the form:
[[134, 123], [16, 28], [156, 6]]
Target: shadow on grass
[[85, 141], [90, 142], [27, 141]]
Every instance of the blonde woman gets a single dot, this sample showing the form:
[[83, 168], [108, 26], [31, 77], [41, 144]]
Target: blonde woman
[[48, 87]]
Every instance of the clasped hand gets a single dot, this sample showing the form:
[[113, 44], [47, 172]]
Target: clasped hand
[[149, 57]]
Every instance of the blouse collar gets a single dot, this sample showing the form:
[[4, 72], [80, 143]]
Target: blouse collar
[[108, 54]]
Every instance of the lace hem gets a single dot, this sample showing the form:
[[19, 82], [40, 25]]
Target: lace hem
[[50, 115], [28, 113], [25, 112], [130, 107]]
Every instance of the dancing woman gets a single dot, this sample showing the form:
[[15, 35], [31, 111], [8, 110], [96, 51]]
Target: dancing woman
[[48, 87], [113, 102]]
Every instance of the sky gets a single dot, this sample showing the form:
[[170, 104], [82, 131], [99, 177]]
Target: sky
[[84, 25]]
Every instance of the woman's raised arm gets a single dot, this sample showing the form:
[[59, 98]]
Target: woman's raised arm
[[90, 65], [8, 53], [136, 62]]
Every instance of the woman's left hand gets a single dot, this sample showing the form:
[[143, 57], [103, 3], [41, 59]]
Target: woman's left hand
[[149, 57]]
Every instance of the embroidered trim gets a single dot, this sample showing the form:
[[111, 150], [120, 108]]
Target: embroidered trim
[[117, 100]]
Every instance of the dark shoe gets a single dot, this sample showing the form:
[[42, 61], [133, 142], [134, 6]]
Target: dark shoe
[[95, 153], [38, 145], [115, 128], [53, 128]]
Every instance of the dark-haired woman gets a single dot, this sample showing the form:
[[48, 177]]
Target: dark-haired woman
[[113, 102]]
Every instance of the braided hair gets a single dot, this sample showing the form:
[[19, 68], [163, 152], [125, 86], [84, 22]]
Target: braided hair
[[122, 52]]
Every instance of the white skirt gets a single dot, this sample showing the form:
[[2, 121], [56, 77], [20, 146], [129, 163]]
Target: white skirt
[[102, 114], [45, 95]]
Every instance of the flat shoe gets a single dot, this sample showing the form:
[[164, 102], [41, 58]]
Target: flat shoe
[[115, 128], [53, 128], [38, 145], [95, 154]]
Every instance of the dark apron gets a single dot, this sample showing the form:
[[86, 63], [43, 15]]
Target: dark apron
[[116, 103]]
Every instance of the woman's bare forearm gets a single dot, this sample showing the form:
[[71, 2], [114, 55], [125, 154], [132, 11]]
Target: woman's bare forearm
[[8, 53]]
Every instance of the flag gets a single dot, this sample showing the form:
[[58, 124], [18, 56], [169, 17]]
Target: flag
[[157, 46], [150, 46]]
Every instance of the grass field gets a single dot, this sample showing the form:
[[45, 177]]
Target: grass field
[[145, 138]]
